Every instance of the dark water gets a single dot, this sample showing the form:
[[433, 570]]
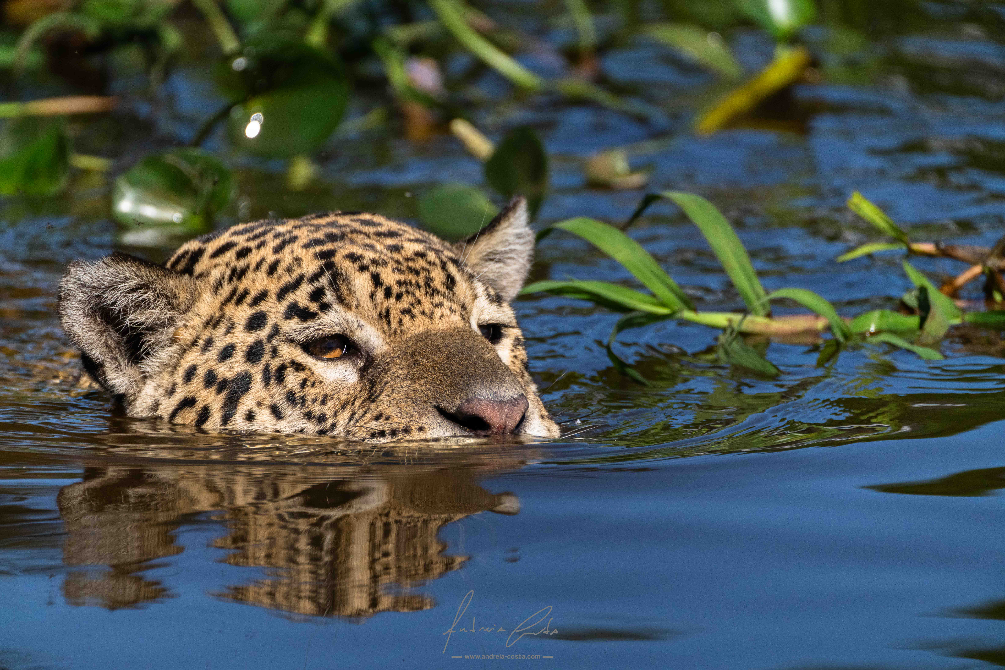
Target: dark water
[[843, 516]]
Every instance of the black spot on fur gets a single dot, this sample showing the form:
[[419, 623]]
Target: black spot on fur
[[298, 311], [226, 353], [273, 266], [207, 345], [190, 373], [255, 322], [249, 416], [255, 352], [289, 287], [183, 404], [203, 417], [259, 298], [240, 385], [276, 412], [222, 249]]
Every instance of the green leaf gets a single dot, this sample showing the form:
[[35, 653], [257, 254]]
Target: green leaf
[[934, 321], [724, 242], [632, 256], [732, 350], [610, 295], [924, 352], [519, 166], [288, 97], [455, 211], [176, 192], [828, 352], [877, 217], [883, 320], [867, 249], [815, 303], [990, 319], [781, 18], [34, 156], [699, 44], [945, 303]]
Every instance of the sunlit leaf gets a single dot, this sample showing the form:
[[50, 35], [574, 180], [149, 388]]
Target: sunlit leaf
[[926, 353], [934, 321], [867, 249], [990, 319], [613, 296], [632, 256], [879, 320], [944, 302], [288, 97], [732, 350], [519, 166], [705, 47], [178, 192], [877, 217], [455, 211], [725, 244], [34, 156], [814, 302], [781, 18]]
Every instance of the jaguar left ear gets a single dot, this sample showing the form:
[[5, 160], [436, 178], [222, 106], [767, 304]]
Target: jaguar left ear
[[500, 254]]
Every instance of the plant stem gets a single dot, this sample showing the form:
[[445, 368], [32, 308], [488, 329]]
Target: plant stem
[[77, 104], [218, 23]]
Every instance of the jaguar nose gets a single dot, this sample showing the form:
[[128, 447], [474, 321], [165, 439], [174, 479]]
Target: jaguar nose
[[489, 417]]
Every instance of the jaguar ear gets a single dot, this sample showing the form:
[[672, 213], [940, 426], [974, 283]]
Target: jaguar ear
[[121, 312], [500, 253]]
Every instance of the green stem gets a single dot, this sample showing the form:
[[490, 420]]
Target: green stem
[[218, 23], [88, 162], [583, 21]]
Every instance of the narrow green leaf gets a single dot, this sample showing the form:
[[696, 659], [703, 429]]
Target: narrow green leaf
[[934, 321], [924, 352], [732, 350], [877, 217], [519, 166], [990, 319], [606, 293], [815, 303], [726, 246], [699, 44], [879, 320], [944, 302], [455, 211], [828, 352], [867, 249], [632, 256]]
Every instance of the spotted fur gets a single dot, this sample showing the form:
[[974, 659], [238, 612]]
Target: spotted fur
[[219, 336]]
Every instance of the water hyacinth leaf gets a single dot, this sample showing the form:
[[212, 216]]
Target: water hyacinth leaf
[[632, 256], [34, 157], [926, 353], [173, 193], [990, 319], [612, 296], [288, 97], [519, 166], [732, 350], [704, 47], [724, 243], [814, 302], [934, 322], [781, 18], [945, 303], [879, 320], [867, 249], [455, 211], [877, 217]]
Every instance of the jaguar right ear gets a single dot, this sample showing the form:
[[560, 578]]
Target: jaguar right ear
[[119, 311]]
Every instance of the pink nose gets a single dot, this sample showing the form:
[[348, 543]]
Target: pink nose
[[495, 417]]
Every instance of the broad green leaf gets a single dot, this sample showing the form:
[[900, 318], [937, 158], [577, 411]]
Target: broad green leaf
[[632, 256], [879, 320], [944, 302], [726, 246], [288, 97], [934, 321], [705, 47], [867, 249], [610, 295], [877, 217], [990, 319], [519, 166], [781, 18], [814, 302], [731, 349], [34, 156], [924, 352], [176, 192], [455, 211]]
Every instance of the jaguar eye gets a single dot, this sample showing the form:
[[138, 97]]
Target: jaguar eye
[[329, 347], [492, 332]]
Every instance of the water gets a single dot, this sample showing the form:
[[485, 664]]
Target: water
[[842, 516]]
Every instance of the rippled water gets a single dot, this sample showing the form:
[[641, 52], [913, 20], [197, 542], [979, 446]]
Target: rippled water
[[842, 516]]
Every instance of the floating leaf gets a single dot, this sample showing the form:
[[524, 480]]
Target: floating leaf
[[724, 242], [177, 192], [990, 319], [867, 249], [945, 303], [705, 47], [924, 352], [610, 295], [288, 97], [34, 157], [781, 18], [519, 166], [879, 320], [877, 217], [814, 302], [455, 211], [632, 256], [732, 350]]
